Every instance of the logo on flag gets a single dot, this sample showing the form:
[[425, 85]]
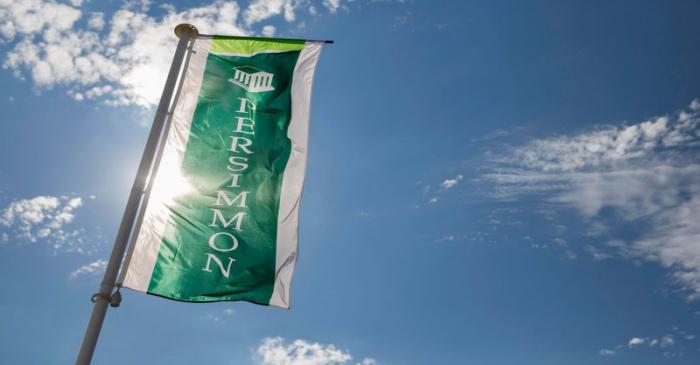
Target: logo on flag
[[252, 79]]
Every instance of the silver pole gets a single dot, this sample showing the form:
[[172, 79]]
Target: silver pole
[[104, 297]]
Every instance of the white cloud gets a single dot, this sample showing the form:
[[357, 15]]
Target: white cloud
[[560, 241], [96, 21], [450, 183], [645, 173], [44, 218], [275, 351], [608, 145], [597, 254], [433, 200], [695, 105], [95, 267], [446, 238], [368, 361], [666, 344], [667, 341], [260, 10], [29, 17], [269, 30], [606, 352], [635, 341], [332, 5]]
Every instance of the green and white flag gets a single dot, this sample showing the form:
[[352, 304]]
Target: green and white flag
[[222, 209]]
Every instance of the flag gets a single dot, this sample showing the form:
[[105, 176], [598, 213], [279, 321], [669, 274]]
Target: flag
[[220, 215]]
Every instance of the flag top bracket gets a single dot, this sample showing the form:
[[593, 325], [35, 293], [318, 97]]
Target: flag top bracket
[[190, 31]]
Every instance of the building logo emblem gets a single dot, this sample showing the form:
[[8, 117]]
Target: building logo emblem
[[252, 79]]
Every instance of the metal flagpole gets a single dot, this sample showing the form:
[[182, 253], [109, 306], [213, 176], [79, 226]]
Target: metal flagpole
[[186, 32]]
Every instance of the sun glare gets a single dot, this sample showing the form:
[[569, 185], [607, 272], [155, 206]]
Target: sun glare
[[169, 182]]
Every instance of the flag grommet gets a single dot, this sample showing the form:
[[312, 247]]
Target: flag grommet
[[116, 299]]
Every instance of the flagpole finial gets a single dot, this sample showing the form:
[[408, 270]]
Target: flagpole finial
[[186, 30]]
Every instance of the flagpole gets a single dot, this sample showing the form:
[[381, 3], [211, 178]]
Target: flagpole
[[105, 297]]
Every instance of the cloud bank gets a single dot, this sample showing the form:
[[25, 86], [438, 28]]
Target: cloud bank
[[275, 351], [647, 174], [120, 58], [44, 218]]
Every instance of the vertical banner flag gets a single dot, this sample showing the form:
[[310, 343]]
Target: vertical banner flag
[[219, 219]]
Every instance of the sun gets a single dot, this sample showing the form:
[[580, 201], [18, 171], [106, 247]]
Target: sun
[[169, 183]]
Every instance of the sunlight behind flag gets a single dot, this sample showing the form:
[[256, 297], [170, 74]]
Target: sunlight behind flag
[[170, 182]]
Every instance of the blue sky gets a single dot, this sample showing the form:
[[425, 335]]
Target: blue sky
[[510, 182]]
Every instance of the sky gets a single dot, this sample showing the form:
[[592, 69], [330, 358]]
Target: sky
[[495, 182]]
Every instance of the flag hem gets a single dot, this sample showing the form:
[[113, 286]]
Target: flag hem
[[293, 177]]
